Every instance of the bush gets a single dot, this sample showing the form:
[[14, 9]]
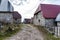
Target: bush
[[8, 31]]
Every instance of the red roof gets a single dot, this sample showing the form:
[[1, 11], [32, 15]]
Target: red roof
[[49, 10]]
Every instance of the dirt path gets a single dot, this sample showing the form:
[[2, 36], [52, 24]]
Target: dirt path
[[28, 32]]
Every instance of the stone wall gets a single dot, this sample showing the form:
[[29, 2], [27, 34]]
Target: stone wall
[[18, 21], [49, 24], [6, 17], [35, 20]]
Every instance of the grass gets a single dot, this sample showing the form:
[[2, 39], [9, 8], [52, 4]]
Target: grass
[[47, 35], [8, 33]]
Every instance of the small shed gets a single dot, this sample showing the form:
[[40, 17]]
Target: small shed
[[16, 17], [27, 21]]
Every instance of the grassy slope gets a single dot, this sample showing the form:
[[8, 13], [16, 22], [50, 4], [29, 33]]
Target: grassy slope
[[10, 33], [46, 34]]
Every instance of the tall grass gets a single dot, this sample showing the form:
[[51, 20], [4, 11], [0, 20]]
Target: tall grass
[[9, 32], [47, 35]]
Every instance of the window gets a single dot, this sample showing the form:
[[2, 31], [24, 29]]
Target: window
[[39, 20], [55, 23]]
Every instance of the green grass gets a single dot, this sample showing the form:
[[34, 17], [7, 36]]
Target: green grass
[[47, 35], [10, 33]]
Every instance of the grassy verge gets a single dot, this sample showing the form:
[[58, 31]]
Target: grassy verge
[[9, 33], [47, 35]]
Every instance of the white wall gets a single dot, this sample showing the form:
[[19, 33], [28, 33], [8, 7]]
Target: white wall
[[39, 17], [35, 22]]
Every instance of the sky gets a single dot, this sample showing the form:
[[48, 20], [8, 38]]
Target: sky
[[27, 8], [55, 2]]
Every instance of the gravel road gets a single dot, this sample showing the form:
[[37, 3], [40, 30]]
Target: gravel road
[[28, 32]]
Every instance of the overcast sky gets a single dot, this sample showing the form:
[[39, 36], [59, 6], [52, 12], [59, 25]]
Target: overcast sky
[[27, 8], [55, 2]]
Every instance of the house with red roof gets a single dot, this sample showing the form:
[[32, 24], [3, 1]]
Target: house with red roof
[[51, 13], [38, 17], [48, 15]]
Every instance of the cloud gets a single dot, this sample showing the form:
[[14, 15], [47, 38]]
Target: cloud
[[27, 10], [56, 2]]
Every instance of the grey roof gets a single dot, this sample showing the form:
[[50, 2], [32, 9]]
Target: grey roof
[[58, 17]]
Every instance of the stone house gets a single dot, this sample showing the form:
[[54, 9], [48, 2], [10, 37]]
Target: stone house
[[38, 17], [10, 17], [51, 14], [5, 5], [16, 17], [5, 9], [48, 15]]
